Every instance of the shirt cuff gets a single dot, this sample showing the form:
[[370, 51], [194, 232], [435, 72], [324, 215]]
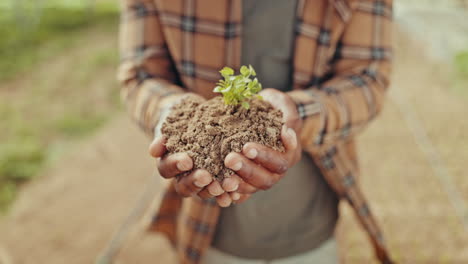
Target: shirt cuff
[[312, 112], [307, 103]]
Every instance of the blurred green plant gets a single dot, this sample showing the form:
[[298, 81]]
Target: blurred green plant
[[76, 125], [19, 161], [20, 47], [7, 195], [460, 80], [461, 64], [37, 121]]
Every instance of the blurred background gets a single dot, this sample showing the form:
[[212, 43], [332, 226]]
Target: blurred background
[[73, 167]]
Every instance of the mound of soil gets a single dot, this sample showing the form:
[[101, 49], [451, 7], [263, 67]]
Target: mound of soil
[[209, 130]]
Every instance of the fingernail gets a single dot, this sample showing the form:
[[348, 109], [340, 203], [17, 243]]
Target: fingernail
[[225, 203], [226, 184], [252, 153], [216, 190], [201, 180], [236, 186], [235, 196], [182, 166], [200, 184], [151, 146], [237, 166]]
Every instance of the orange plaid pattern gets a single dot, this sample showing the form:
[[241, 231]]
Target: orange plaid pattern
[[342, 63]]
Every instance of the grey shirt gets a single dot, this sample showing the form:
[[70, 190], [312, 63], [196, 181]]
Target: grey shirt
[[267, 43], [300, 211]]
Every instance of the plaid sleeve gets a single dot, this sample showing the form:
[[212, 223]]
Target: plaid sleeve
[[340, 107], [146, 70]]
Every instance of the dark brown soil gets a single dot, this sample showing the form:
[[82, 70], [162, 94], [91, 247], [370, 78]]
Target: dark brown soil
[[209, 130]]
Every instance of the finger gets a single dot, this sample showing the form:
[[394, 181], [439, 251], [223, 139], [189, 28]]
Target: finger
[[251, 172], [157, 147], [202, 178], [270, 159], [230, 184], [205, 194], [235, 196], [172, 165], [224, 200], [243, 198], [289, 138], [282, 102], [215, 188], [290, 116], [244, 187], [193, 183], [297, 155]]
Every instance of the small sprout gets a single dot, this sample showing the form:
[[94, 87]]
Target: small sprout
[[238, 89]]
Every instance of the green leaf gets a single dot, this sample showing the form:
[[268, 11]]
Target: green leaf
[[226, 72], [226, 89], [246, 105], [252, 71], [245, 71]]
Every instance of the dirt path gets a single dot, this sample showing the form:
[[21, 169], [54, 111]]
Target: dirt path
[[69, 214]]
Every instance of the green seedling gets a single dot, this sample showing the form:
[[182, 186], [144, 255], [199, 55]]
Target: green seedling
[[239, 89]]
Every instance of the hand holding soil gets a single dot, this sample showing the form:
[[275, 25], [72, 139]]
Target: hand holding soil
[[229, 147]]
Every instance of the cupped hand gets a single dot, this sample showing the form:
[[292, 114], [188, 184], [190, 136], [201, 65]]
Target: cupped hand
[[199, 182], [259, 167]]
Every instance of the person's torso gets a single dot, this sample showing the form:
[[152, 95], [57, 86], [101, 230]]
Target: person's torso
[[300, 211], [203, 36]]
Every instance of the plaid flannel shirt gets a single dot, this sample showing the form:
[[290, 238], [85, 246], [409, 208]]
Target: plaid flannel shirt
[[342, 62]]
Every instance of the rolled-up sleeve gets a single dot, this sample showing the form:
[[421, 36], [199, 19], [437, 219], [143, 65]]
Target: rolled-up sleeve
[[342, 106], [146, 72]]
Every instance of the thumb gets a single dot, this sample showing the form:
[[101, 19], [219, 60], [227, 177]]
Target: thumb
[[157, 148], [289, 138]]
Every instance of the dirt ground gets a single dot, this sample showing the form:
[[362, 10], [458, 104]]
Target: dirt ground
[[70, 212]]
